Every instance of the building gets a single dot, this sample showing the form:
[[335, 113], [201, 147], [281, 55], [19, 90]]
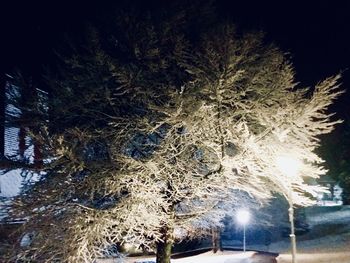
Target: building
[[16, 148]]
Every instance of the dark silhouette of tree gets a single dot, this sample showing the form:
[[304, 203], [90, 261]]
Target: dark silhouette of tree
[[336, 153]]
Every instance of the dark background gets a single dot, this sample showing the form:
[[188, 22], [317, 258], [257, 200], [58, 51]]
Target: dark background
[[316, 34]]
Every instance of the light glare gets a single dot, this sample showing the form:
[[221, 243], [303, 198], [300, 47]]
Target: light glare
[[288, 165], [243, 216]]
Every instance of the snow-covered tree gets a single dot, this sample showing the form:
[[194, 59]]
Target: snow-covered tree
[[151, 137], [239, 112]]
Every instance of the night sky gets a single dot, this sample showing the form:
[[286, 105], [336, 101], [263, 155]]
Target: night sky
[[315, 33]]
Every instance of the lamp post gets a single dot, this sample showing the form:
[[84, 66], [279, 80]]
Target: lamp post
[[243, 217], [290, 166]]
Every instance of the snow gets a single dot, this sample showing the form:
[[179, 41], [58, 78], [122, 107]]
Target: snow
[[337, 257], [328, 240], [26, 240], [327, 244], [208, 257], [10, 183], [219, 257], [330, 231]]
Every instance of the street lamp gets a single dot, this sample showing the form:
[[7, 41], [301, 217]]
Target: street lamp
[[243, 217], [290, 166]]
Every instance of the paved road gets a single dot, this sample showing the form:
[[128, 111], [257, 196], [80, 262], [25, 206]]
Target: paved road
[[264, 258]]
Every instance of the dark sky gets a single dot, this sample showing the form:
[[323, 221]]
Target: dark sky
[[315, 33]]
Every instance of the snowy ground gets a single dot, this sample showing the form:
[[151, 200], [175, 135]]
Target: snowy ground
[[208, 257], [327, 242], [330, 231], [336, 257]]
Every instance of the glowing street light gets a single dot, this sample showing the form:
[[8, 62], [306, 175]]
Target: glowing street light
[[243, 217], [290, 166]]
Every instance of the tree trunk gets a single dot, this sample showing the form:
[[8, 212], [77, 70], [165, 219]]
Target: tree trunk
[[38, 157], [22, 142], [216, 239], [164, 248], [216, 235]]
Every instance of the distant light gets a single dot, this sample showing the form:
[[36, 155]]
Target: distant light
[[288, 165], [243, 216]]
